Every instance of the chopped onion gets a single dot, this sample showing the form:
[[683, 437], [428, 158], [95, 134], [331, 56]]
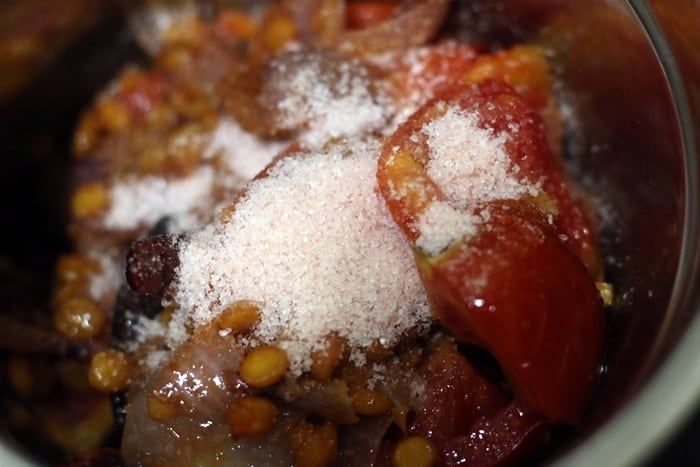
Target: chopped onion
[[415, 23]]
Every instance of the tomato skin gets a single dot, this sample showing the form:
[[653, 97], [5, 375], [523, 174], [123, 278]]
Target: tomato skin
[[470, 419], [501, 109], [518, 291], [523, 67], [508, 437], [431, 70], [523, 286], [456, 395]]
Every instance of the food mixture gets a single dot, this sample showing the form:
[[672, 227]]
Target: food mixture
[[322, 232]]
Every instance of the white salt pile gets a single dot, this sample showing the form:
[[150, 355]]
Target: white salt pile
[[313, 243], [470, 165]]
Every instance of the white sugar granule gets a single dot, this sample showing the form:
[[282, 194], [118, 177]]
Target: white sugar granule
[[471, 167], [110, 275], [470, 163], [441, 224], [316, 246], [340, 105], [139, 202], [243, 153]]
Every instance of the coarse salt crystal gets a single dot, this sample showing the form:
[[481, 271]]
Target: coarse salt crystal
[[314, 243]]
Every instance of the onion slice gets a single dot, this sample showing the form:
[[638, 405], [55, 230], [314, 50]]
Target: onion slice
[[415, 24]]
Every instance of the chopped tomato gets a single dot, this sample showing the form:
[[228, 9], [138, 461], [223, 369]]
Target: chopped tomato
[[504, 111], [523, 67], [455, 396], [519, 287], [360, 14], [431, 70], [508, 437], [518, 291], [232, 23]]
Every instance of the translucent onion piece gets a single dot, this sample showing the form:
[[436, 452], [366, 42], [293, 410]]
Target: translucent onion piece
[[192, 382], [359, 443], [329, 400], [318, 21]]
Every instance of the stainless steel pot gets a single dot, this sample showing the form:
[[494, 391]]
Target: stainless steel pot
[[630, 74]]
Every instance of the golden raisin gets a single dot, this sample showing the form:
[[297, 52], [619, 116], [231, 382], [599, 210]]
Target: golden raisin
[[414, 451], [251, 416], [369, 402], [264, 366], [190, 30], [152, 159], [545, 204], [89, 200], [239, 317], [160, 115], [109, 371], [325, 361], [314, 446], [79, 318], [159, 410]]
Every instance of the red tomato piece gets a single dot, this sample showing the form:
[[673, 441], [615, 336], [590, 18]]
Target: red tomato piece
[[455, 396], [518, 291], [523, 67], [507, 437], [425, 72], [501, 109]]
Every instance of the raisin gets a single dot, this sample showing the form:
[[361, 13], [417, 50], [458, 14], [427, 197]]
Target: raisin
[[151, 264]]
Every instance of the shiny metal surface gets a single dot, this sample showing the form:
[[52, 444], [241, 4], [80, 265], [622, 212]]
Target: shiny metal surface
[[630, 74]]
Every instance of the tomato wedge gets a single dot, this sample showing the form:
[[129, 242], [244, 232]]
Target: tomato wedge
[[520, 287]]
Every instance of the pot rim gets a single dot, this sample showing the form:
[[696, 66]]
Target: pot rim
[[671, 395]]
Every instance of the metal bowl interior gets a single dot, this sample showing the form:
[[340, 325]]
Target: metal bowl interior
[[629, 76]]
